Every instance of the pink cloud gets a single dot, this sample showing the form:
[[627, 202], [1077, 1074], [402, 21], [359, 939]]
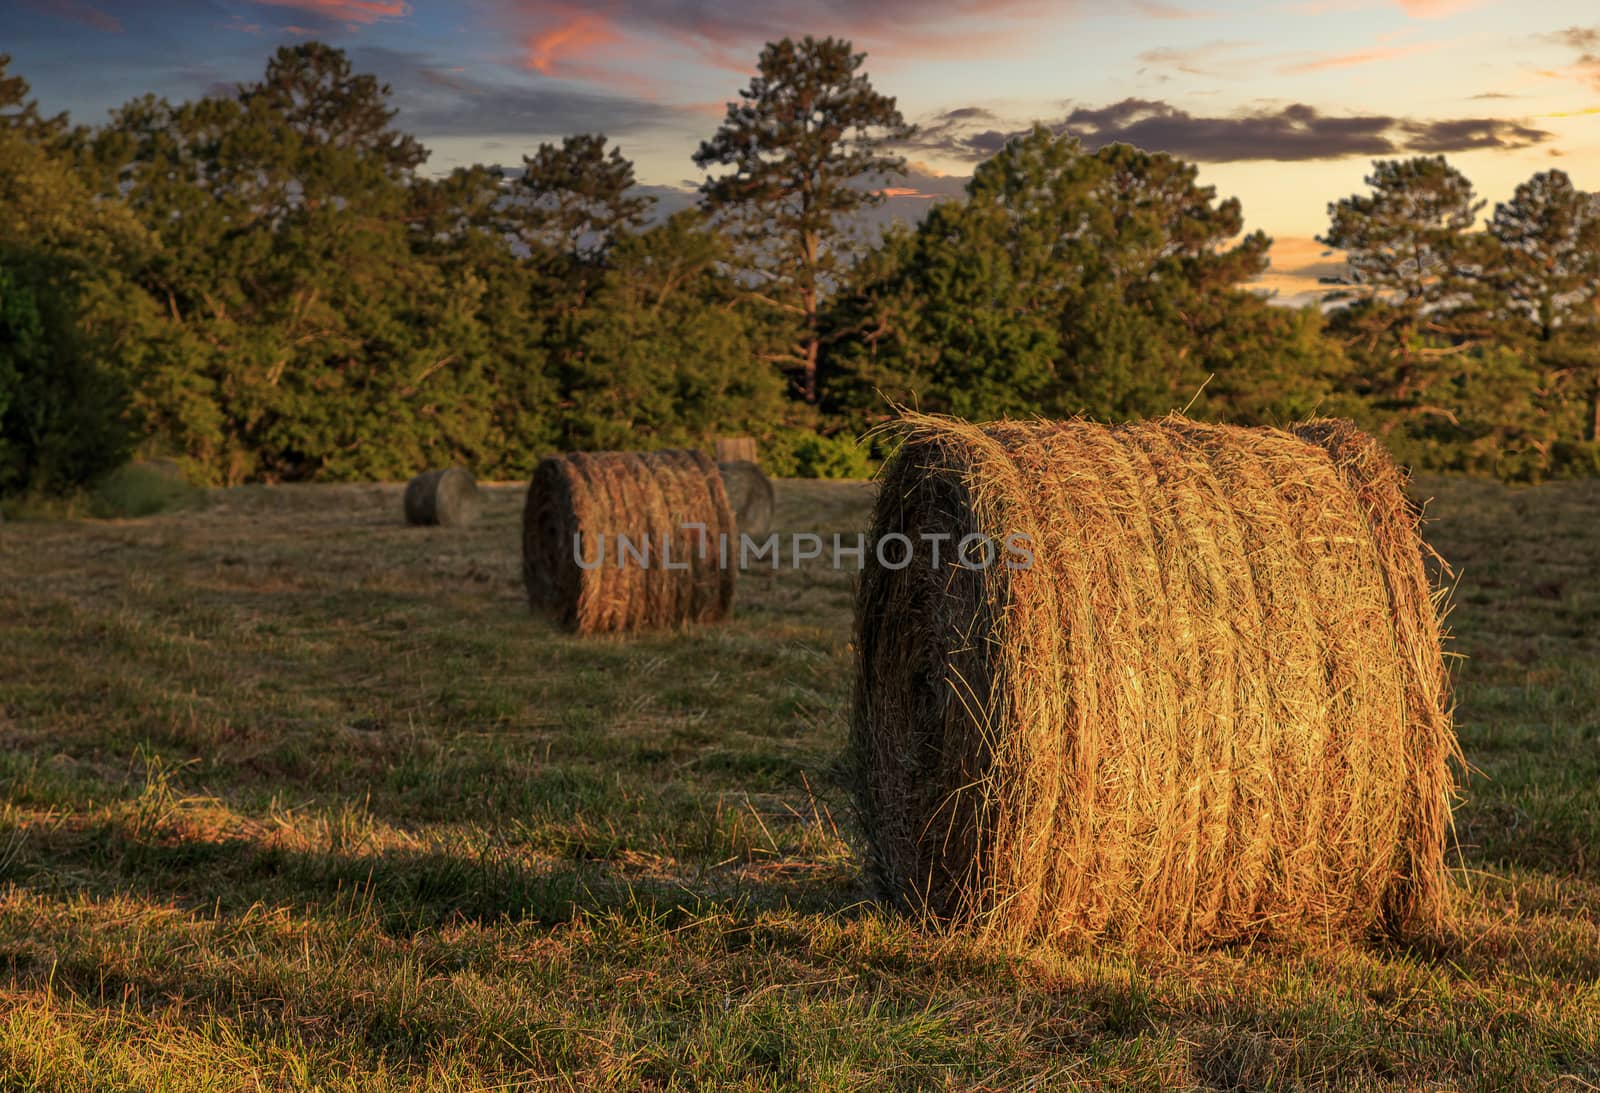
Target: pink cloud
[[601, 40], [1416, 9], [348, 11], [576, 37], [1436, 9], [1160, 9], [1359, 57]]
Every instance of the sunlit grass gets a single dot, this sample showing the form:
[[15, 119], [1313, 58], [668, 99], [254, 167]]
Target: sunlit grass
[[297, 796]]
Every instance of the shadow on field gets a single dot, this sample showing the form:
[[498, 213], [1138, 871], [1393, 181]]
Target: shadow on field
[[408, 891]]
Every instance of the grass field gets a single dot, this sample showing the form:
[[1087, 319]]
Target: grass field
[[297, 797]]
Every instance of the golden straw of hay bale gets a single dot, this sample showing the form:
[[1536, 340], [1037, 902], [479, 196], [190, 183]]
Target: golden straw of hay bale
[[1212, 708], [447, 498], [646, 498], [750, 494]]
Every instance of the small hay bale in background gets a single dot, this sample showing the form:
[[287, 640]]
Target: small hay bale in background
[[1212, 707], [447, 498], [750, 494], [737, 449], [602, 497]]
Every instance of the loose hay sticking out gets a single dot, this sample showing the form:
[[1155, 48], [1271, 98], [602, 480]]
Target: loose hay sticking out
[[750, 494], [642, 498], [1212, 707], [448, 498]]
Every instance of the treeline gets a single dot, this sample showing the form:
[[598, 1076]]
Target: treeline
[[265, 286]]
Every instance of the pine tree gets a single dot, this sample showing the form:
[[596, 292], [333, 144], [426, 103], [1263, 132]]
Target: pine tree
[[1547, 282], [806, 144], [1410, 269]]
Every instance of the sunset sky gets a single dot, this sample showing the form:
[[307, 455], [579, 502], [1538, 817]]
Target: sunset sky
[[1284, 104]]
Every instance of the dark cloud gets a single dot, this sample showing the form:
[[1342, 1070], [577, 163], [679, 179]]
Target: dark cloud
[[1471, 134], [441, 99], [1586, 41], [1579, 38], [1292, 133], [79, 12]]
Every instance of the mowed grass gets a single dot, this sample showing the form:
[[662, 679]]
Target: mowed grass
[[297, 797]]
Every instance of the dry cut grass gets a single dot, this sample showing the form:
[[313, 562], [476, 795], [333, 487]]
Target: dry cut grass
[[298, 797]]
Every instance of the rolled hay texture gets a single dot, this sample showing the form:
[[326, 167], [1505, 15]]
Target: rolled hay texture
[[750, 494], [1213, 706], [737, 449], [604, 498], [448, 498]]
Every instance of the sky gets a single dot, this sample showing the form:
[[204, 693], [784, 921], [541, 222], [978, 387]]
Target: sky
[[1283, 105]]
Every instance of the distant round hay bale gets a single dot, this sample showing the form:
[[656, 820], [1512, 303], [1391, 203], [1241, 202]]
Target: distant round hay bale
[[447, 498], [736, 449], [167, 468], [750, 494], [1212, 707], [625, 513]]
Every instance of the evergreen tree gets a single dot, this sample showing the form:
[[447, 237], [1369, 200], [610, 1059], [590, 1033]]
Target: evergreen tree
[[805, 144], [580, 201], [1411, 271], [1547, 282]]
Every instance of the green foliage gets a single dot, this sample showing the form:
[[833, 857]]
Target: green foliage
[[298, 309], [1068, 282], [60, 412], [666, 356], [1472, 352], [801, 453], [69, 323], [262, 283], [143, 489]]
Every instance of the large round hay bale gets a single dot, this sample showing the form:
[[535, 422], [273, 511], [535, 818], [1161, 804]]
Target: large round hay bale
[[448, 498], [750, 494], [1209, 706], [624, 515]]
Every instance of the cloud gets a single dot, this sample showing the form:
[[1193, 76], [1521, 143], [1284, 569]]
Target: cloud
[[1158, 9], [592, 41], [1579, 38], [1471, 134], [1356, 58], [1436, 9], [1292, 133], [1586, 41], [1217, 59], [444, 99], [1228, 59], [85, 14], [1416, 9], [346, 11], [578, 36]]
